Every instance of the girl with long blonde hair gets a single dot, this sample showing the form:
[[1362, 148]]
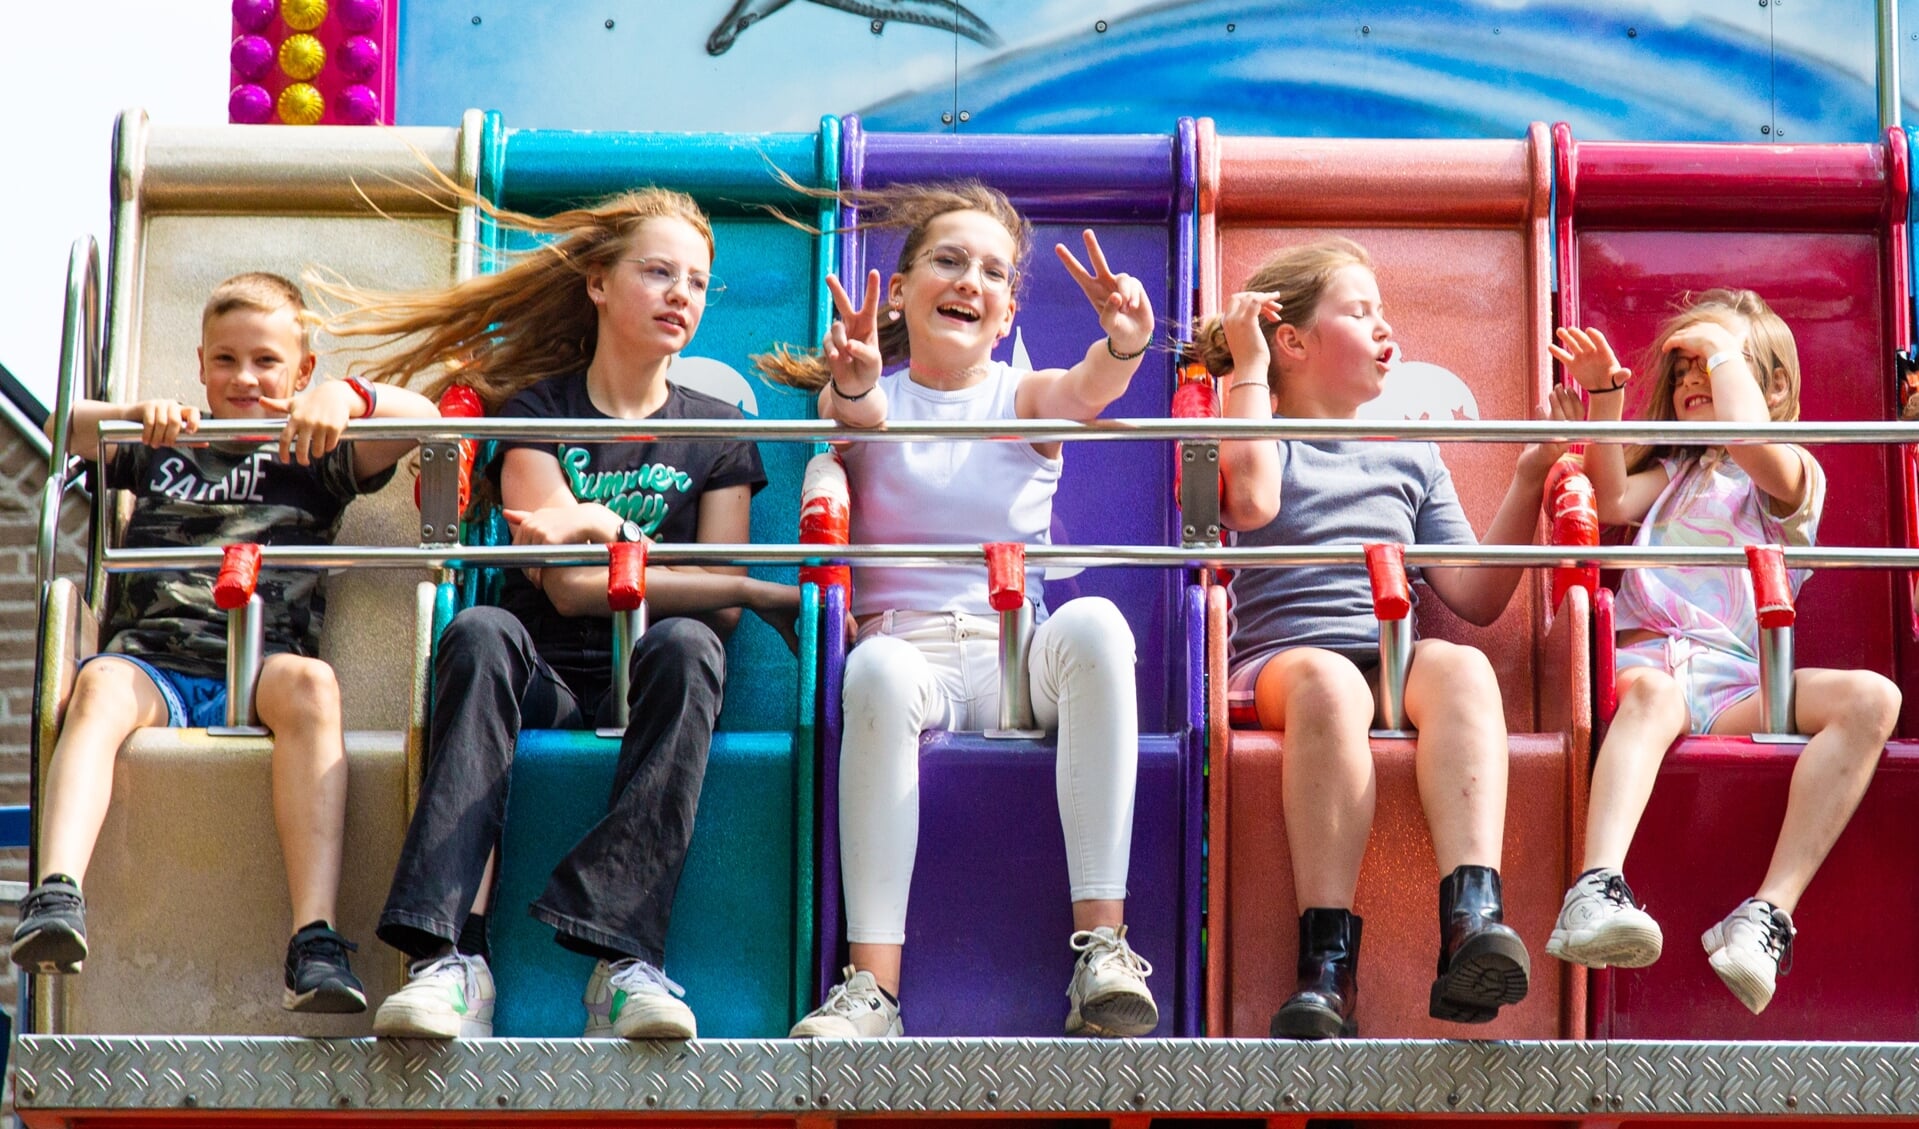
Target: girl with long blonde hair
[[585, 326]]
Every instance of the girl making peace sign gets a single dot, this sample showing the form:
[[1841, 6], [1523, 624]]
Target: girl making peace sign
[[927, 655]]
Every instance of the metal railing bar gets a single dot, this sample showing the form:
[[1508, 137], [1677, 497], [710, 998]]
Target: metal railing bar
[[1082, 556], [1060, 430]]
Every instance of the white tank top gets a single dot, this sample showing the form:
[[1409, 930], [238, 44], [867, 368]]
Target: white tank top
[[947, 493]]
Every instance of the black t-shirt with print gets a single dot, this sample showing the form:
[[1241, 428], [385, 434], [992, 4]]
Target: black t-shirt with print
[[656, 484], [217, 495]]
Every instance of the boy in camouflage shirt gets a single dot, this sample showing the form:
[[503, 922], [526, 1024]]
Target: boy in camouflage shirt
[[165, 658]]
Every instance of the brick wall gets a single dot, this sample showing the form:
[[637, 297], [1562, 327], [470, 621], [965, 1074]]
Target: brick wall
[[23, 472]]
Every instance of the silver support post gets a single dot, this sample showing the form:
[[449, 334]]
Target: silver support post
[[439, 493], [1015, 699], [246, 643], [1199, 493], [1776, 681], [1888, 41], [628, 626], [1395, 659]]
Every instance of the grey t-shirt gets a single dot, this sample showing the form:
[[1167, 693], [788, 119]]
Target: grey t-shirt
[[1339, 492]]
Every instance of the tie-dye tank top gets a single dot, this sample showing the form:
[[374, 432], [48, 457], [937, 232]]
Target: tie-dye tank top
[[1709, 502]]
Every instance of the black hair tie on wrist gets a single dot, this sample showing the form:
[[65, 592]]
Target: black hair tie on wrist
[[849, 399]]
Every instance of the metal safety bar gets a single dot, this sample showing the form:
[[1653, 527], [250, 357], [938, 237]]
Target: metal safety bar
[[1772, 595], [1393, 607], [1062, 430], [79, 361], [1006, 592], [235, 590], [626, 595], [1082, 556]]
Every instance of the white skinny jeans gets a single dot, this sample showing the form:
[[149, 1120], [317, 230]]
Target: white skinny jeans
[[940, 670]]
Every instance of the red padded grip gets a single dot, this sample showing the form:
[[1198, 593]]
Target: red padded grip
[[1005, 575], [1386, 568], [625, 575], [1575, 522], [1772, 591], [239, 573], [825, 518], [1194, 398]]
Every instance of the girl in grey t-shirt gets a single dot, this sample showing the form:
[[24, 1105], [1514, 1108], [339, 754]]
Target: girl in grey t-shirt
[[1308, 338]]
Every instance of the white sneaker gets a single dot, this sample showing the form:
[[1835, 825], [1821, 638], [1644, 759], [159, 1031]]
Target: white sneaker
[[631, 999], [1108, 994], [449, 997], [854, 1009], [1601, 924], [1750, 949]]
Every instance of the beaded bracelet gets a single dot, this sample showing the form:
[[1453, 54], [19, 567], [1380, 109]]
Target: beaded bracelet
[[1133, 356]]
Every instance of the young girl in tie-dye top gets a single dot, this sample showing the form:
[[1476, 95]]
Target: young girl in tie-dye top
[[1687, 657]]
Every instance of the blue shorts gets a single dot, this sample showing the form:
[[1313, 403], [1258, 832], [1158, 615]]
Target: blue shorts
[[192, 702]]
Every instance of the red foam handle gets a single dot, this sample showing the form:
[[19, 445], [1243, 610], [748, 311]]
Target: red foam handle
[[1386, 568], [1194, 398], [625, 575], [825, 519], [1575, 522], [239, 574], [1772, 591], [1006, 575]]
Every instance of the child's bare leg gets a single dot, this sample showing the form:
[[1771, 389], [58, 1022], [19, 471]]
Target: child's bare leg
[[1324, 705], [1452, 699], [1652, 714], [883, 961], [299, 700], [1850, 714], [1095, 912], [111, 698]]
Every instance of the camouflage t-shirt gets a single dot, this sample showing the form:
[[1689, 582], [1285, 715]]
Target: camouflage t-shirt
[[219, 496]]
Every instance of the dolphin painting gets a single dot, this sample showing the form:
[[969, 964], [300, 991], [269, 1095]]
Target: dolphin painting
[[947, 15]]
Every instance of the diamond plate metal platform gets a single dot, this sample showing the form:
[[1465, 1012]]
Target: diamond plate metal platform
[[971, 1076]]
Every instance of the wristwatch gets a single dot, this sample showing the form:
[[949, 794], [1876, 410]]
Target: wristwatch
[[631, 533]]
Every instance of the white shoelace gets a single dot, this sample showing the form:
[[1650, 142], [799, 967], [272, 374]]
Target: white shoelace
[[635, 975], [840, 1000], [1104, 950]]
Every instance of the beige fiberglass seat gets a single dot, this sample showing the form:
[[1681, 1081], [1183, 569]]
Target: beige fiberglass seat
[[187, 902]]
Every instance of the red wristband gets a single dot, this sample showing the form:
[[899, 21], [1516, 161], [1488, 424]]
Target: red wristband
[[368, 396]]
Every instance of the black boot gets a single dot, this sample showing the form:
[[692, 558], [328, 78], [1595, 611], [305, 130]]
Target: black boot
[[1322, 1008], [1482, 964]]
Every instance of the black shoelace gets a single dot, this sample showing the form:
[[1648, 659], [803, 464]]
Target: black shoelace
[[328, 946], [1618, 893], [1779, 941], [50, 899]]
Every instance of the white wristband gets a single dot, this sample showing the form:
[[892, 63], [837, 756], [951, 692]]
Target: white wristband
[[1720, 358]]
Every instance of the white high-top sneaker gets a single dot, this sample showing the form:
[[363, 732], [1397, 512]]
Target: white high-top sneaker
[[1750, 950], [1108, 993], [854, 1009], [1601, 924]]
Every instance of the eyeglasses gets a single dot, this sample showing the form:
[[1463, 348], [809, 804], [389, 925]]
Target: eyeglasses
[[662, 275], [953, 263]]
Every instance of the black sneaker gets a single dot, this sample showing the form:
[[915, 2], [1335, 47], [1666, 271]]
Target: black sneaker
[[319, 979], [51, 938]]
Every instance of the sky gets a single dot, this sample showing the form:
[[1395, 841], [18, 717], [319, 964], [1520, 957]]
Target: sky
[[57, 123]]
